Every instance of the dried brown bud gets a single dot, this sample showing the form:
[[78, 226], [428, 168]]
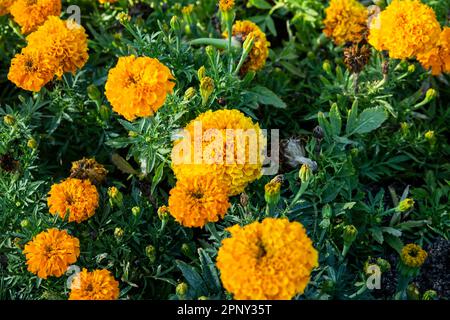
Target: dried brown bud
[[356, 57]]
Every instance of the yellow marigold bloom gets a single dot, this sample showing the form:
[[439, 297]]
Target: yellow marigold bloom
[[405, 205], [64, 41], [413, 255], [187, 10], [73, 197], [30, 14], [107, 1], [438, 58], [95, 285], [5, 6], [51, 252], [31, 69], [260, 51], [345, 21], [138, 87], [197, 200], [406, 28], [88, 169], [223, 143], [268, 260], [226, 5]]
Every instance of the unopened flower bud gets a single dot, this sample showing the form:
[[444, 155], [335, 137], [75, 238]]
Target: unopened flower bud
[[118, 233], [311, 55], [272, 192], [105, 112], [122, 17], [135, 211], [203, 298], [186, 249], [413, 292], [244, 199], [150, 252], [201, 73], [404, 126], [430, 95], [181, 289], [327, 212], [318, 132], [115, 196], [430, 137], [383, 264], [248, 43], [175, 23], [9, 120], [210, 50], [163, 213], [93, 92], [206, 88], [349, 234], [326, 66], [25, 223], [189, 94], [405, 205], [305, 173], [430, 295], [32, 143], [411, 68]]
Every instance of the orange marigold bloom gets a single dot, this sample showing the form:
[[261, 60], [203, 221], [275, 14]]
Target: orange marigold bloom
[[223, 143], [5, 6], [260, 51], [51, 252], [31, 69], [406, 28], [268, 260], [75, 197], [64, 41], [138, 87], [438, 58], [197, 200], [95, 285], [30, 14], [346, 21]]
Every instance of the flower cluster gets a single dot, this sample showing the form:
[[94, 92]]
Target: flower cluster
[[259, 52], [345, 21], [277, 258], [54, 48], [197, 200], [226, 5], [29, 15], [95, 285], [73, 197], [51, 252], [405, 28], [138, 86], [237, 162]]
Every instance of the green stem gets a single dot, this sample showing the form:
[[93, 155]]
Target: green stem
[[218, 43]]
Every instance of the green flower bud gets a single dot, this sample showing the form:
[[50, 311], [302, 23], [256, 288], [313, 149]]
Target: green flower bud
[[383, 264], [327, 212], [115, 196], [104, 112], [175, 23], [150, 252], [203, 298], [135, 211], [186, 249], [311, 55], [93, 93], [32, 143], [181, 289], [349, 234], [411, 68], [210, 51], [248, 43], [206, 88], [430, 295], [201, 73], [25, 223], [189, 94], [430, 95], [413, 292], [305, 173], [118, 233], [9, 120], [326, 66], [430, 137], [405, 205], [404, 126], [163, 213]]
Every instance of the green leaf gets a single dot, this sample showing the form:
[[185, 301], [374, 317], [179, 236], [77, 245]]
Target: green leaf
[[157, 177], [325, 124], [377, 234], [352, 117], [193, 278], [268, 97], [260, 4], [392, 231], [394, 242], [209, 271], [335, 120], [369, 120]]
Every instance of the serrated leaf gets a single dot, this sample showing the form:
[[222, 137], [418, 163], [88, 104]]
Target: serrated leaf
[[392, 231], [394, 242], [377, 234], [157, 177], [260, 4], [325, 124], [335, 120], [268, 97], [193, 278], [209, 271], [369, 120]]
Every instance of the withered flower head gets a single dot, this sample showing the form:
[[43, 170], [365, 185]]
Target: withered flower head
[[88, 169], [356, 57], [8, 163]]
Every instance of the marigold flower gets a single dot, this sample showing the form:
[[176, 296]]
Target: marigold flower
[[260, 50], [138, 87], [5, 6], [30, 14], [64, 41], [197, 200], [187, 10], [277, 257], [438, 58], [346, 21], [51, 252], [413, 255], [406, 28], [73, 197], [218, 132], [95, 285], [107, 1], [88, 169], [226, 5], [31, 69]]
